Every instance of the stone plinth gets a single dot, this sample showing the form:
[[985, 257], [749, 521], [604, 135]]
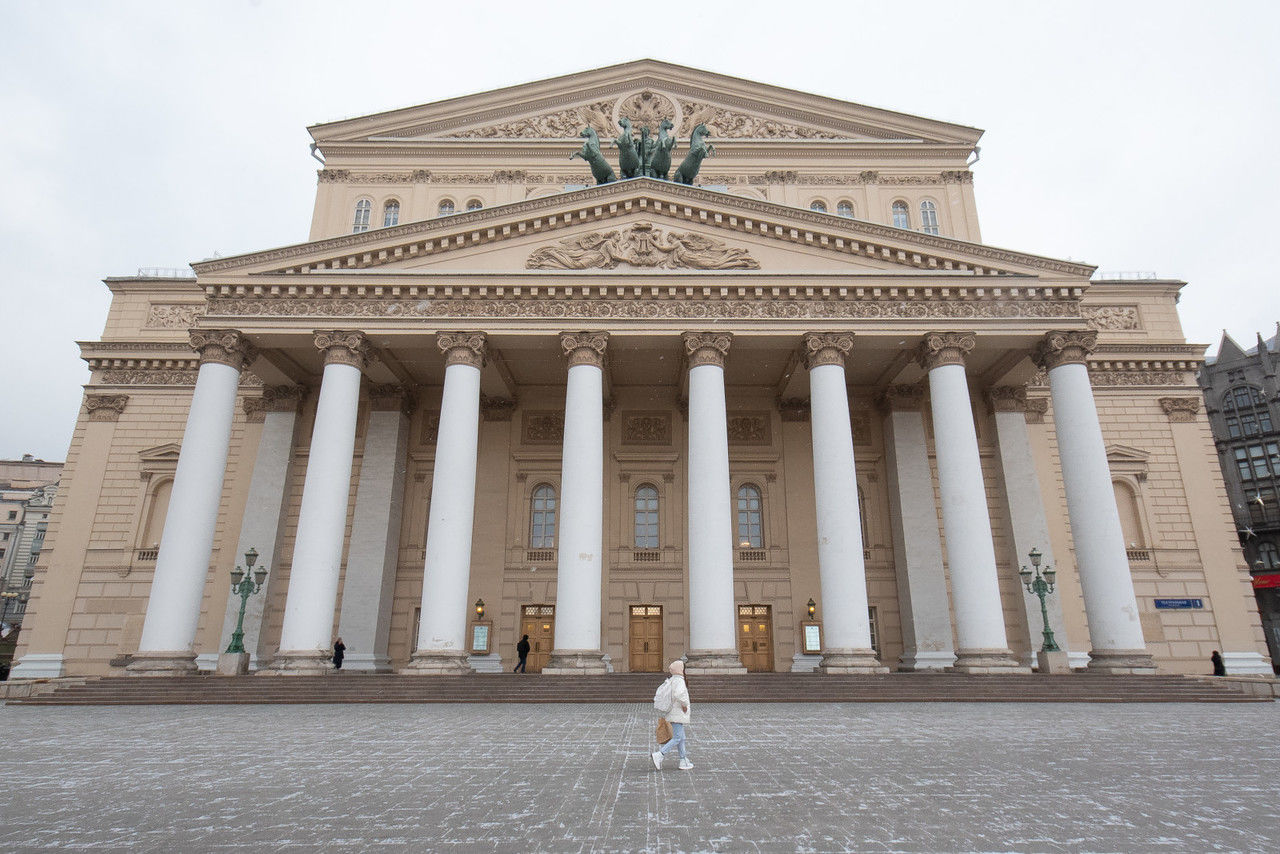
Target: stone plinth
[[714, 661], [233, 664], [434, 662], [162, 663], [997, 661], [1053, 662], [575, 663], [851, 661], [300, 662], [1121, 661]]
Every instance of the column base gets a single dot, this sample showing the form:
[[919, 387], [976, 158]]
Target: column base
[[233, 664], [1121, 662], [998, 661], [162, 663], [366, 662], [575, 662], [918, 660], [1247, 664], [39, 665], [438, 662], [851, 661], [719, 662], [299, 662]]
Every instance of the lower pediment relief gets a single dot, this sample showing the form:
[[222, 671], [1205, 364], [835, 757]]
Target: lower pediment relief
[[641, 245]]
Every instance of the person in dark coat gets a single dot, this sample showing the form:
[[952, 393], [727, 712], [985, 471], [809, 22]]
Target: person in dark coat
[[339, 650], [1219, 669], [522, 650]]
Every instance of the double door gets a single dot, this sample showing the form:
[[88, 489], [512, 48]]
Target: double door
[[646, 639], [539, 623], [755, 637]]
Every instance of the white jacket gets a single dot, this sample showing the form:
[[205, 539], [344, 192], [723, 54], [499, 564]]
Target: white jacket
[[679, 697]]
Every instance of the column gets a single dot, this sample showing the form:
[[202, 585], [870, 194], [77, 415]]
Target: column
[[266, 506], [842, 571], [713, 640], [442, 643], [580, 539], [971, 557], [182, 565], [306, 638], [917, 547], [364, 623], [1026, 513], [1110, 605]]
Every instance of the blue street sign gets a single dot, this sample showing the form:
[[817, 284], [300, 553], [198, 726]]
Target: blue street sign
[[1179, 603]]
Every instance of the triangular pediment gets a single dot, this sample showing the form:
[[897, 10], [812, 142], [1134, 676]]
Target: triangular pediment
[[160, 454], [643, 224], [645, 91]]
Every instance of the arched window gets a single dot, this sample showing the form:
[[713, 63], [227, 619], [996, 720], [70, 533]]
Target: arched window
[[818, 205], [361, 222], [844, 209], [928, 217], [646, 517], [900, 219], [1246, 412], [390, 214], [1269, 555], [1130, 514], [475, 205], [446, 207], [750, 518], [542, 523]]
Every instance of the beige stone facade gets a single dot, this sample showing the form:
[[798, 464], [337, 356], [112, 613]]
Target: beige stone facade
[[497, 232]]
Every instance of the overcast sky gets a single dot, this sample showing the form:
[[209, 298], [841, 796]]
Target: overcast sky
[[1134, 136]]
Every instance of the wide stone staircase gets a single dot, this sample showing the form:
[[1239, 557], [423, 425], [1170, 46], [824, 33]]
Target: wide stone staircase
[[639, 688]]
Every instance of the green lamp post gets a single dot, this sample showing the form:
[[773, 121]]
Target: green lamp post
[[1040, 585], [244, 587]]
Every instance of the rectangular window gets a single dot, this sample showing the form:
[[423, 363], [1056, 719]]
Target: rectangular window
[[875, 628], [1249, 424], [1264, 418], [1242, 463], [1233, 428], [13, 514]]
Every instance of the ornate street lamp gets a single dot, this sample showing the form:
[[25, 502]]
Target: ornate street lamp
[[479, 609], [813, 608], [1040, 585], [244, 588]]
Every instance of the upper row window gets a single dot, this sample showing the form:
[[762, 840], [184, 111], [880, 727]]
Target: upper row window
[[901, 216], [364, 210], [1246, 412]]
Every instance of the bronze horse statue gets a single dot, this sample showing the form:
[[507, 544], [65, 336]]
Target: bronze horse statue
[[660, 162], [590, 152], [628, 159], [698, 149]]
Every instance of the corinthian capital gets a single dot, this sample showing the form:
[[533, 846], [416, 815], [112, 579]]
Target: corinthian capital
[[344, 347], [223, 346], [463, 348], [826, 348], [707, 348], [105, 407], [1007, 398], [1064, 348], [945, 348], [584, 348]]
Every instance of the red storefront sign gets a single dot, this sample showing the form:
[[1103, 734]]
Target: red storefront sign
[[1270, 579]]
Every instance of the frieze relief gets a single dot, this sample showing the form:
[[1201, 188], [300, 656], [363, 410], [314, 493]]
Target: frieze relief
[[1111, 317], [558, 125], [173, 316], [641, 245], [542, 427], [748, 428], [646, 428], [558, 309], [163, 376]]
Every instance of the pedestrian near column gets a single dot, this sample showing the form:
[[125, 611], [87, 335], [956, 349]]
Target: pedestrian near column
[[339, 651], [1219, 669], [678, 717], [522, 650]]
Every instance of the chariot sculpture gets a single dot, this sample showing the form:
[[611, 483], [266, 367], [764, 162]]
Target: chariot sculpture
[[646, 156]]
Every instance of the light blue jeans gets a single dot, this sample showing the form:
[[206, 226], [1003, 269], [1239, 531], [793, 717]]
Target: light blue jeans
[[676, 741]]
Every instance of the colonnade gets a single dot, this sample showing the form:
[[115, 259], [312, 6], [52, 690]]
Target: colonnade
[[441, 648]]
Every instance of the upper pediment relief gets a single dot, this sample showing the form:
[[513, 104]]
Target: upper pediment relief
[[645, 91]]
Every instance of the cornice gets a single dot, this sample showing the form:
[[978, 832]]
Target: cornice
[[650, 197]]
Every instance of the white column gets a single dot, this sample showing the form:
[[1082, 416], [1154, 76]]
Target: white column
[[842, 571], [173, 609], [917, 547], [364, 623], [442, 643], [713, 646], [581, 535], [265, 509], [306, 638], [1110, 605], [971, 557]]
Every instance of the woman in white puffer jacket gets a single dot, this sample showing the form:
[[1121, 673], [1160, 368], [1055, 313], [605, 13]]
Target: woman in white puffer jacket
[[678, 716]]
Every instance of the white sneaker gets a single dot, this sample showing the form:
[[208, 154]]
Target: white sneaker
[[685, 765], [656, 756]]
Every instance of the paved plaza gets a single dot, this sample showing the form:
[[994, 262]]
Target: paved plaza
[[768, 777]]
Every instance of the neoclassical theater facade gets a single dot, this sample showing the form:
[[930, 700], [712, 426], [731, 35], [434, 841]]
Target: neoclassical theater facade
[[795, 415]]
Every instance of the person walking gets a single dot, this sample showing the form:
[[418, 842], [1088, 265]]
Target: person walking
[[1219, 669], [678, 717], [522, 650], [339, 650]]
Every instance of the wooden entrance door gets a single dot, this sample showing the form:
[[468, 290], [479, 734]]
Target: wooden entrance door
[[539, 623], [646, 639], [755, 637]]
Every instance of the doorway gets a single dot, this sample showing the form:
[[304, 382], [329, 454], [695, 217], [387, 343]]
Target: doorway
[[755, 637], [646, 639], [539, 623]]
